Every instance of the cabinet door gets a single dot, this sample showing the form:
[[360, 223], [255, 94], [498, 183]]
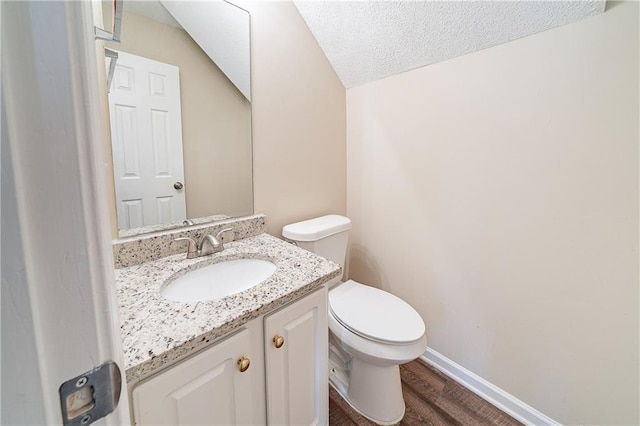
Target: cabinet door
[[207, 389], [297, 382]]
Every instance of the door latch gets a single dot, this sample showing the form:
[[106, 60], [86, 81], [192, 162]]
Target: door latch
[[91, 396]]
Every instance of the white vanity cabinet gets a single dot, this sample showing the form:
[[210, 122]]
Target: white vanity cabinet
[[296, 353], [208, 388], [284, 385]]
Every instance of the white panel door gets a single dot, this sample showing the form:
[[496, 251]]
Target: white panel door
[[297, 382], [146, 142], [208, 389]]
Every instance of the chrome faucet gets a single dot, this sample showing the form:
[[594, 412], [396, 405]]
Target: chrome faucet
[[208, 245]]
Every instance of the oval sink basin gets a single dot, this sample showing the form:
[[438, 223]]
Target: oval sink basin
[[218, 280]]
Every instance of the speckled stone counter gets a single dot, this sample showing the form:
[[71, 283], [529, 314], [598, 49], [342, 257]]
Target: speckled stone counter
[[157, 332]]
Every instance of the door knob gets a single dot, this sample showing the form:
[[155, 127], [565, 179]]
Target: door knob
[[278, 341], [243, 364], [178, 185]]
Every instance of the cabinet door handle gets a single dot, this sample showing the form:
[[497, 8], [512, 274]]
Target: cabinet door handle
[[278, 341], [243, 364]]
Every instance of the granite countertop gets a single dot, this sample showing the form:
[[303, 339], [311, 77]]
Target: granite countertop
[[157, 332]]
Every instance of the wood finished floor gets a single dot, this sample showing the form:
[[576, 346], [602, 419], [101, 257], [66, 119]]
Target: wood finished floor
[[431, 398]]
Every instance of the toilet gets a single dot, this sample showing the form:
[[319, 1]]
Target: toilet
[[371, 332]]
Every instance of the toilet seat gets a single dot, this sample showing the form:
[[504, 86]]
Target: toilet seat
[[375, 315]]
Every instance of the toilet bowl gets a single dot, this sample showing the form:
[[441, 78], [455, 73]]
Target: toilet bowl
[[372, 331], [379, 332]]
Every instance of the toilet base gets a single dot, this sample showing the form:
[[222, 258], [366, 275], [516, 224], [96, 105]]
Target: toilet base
[[374, 391]]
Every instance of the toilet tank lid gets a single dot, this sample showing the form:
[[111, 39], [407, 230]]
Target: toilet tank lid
[[318, 228]]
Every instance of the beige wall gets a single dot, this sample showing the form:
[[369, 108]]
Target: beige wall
[[299, 119], [216, 119], [498, 193]]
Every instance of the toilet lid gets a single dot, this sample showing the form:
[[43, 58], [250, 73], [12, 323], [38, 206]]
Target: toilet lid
[[375, 314]]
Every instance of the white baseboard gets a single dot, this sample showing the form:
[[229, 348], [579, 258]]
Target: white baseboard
[[487, 391]]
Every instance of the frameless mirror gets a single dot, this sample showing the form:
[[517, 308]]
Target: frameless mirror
[[180, 114]]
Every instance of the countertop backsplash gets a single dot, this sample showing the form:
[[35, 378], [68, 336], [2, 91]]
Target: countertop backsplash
[[144, 248]]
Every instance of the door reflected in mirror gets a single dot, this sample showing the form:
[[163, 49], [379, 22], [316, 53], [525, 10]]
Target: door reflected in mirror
[[180, 115]]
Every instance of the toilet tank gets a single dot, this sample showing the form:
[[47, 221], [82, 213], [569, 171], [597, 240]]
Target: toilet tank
[[326, 236]]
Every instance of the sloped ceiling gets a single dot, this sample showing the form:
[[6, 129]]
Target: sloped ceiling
[[370, 40]]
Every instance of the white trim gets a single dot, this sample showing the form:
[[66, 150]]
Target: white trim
[[486, 390]]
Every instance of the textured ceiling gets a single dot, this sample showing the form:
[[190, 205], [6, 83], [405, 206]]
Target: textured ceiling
[[370, 40]]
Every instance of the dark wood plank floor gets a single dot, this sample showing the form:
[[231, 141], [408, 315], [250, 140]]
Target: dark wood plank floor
[[431, 398]]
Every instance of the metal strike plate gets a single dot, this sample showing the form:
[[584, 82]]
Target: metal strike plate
[[91, 396]]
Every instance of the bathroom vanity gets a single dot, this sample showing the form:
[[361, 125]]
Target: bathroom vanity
[[278, 359], [254, 357]]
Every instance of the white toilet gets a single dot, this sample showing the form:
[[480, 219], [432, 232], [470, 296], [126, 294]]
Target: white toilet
[[372, 332]]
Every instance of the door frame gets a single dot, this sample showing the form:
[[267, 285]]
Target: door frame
[[59, 307]]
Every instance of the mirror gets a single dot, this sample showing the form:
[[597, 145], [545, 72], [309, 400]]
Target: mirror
[[180, 114]]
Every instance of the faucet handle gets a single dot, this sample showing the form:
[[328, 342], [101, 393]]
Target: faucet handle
[[192, 248], [219, 234]]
